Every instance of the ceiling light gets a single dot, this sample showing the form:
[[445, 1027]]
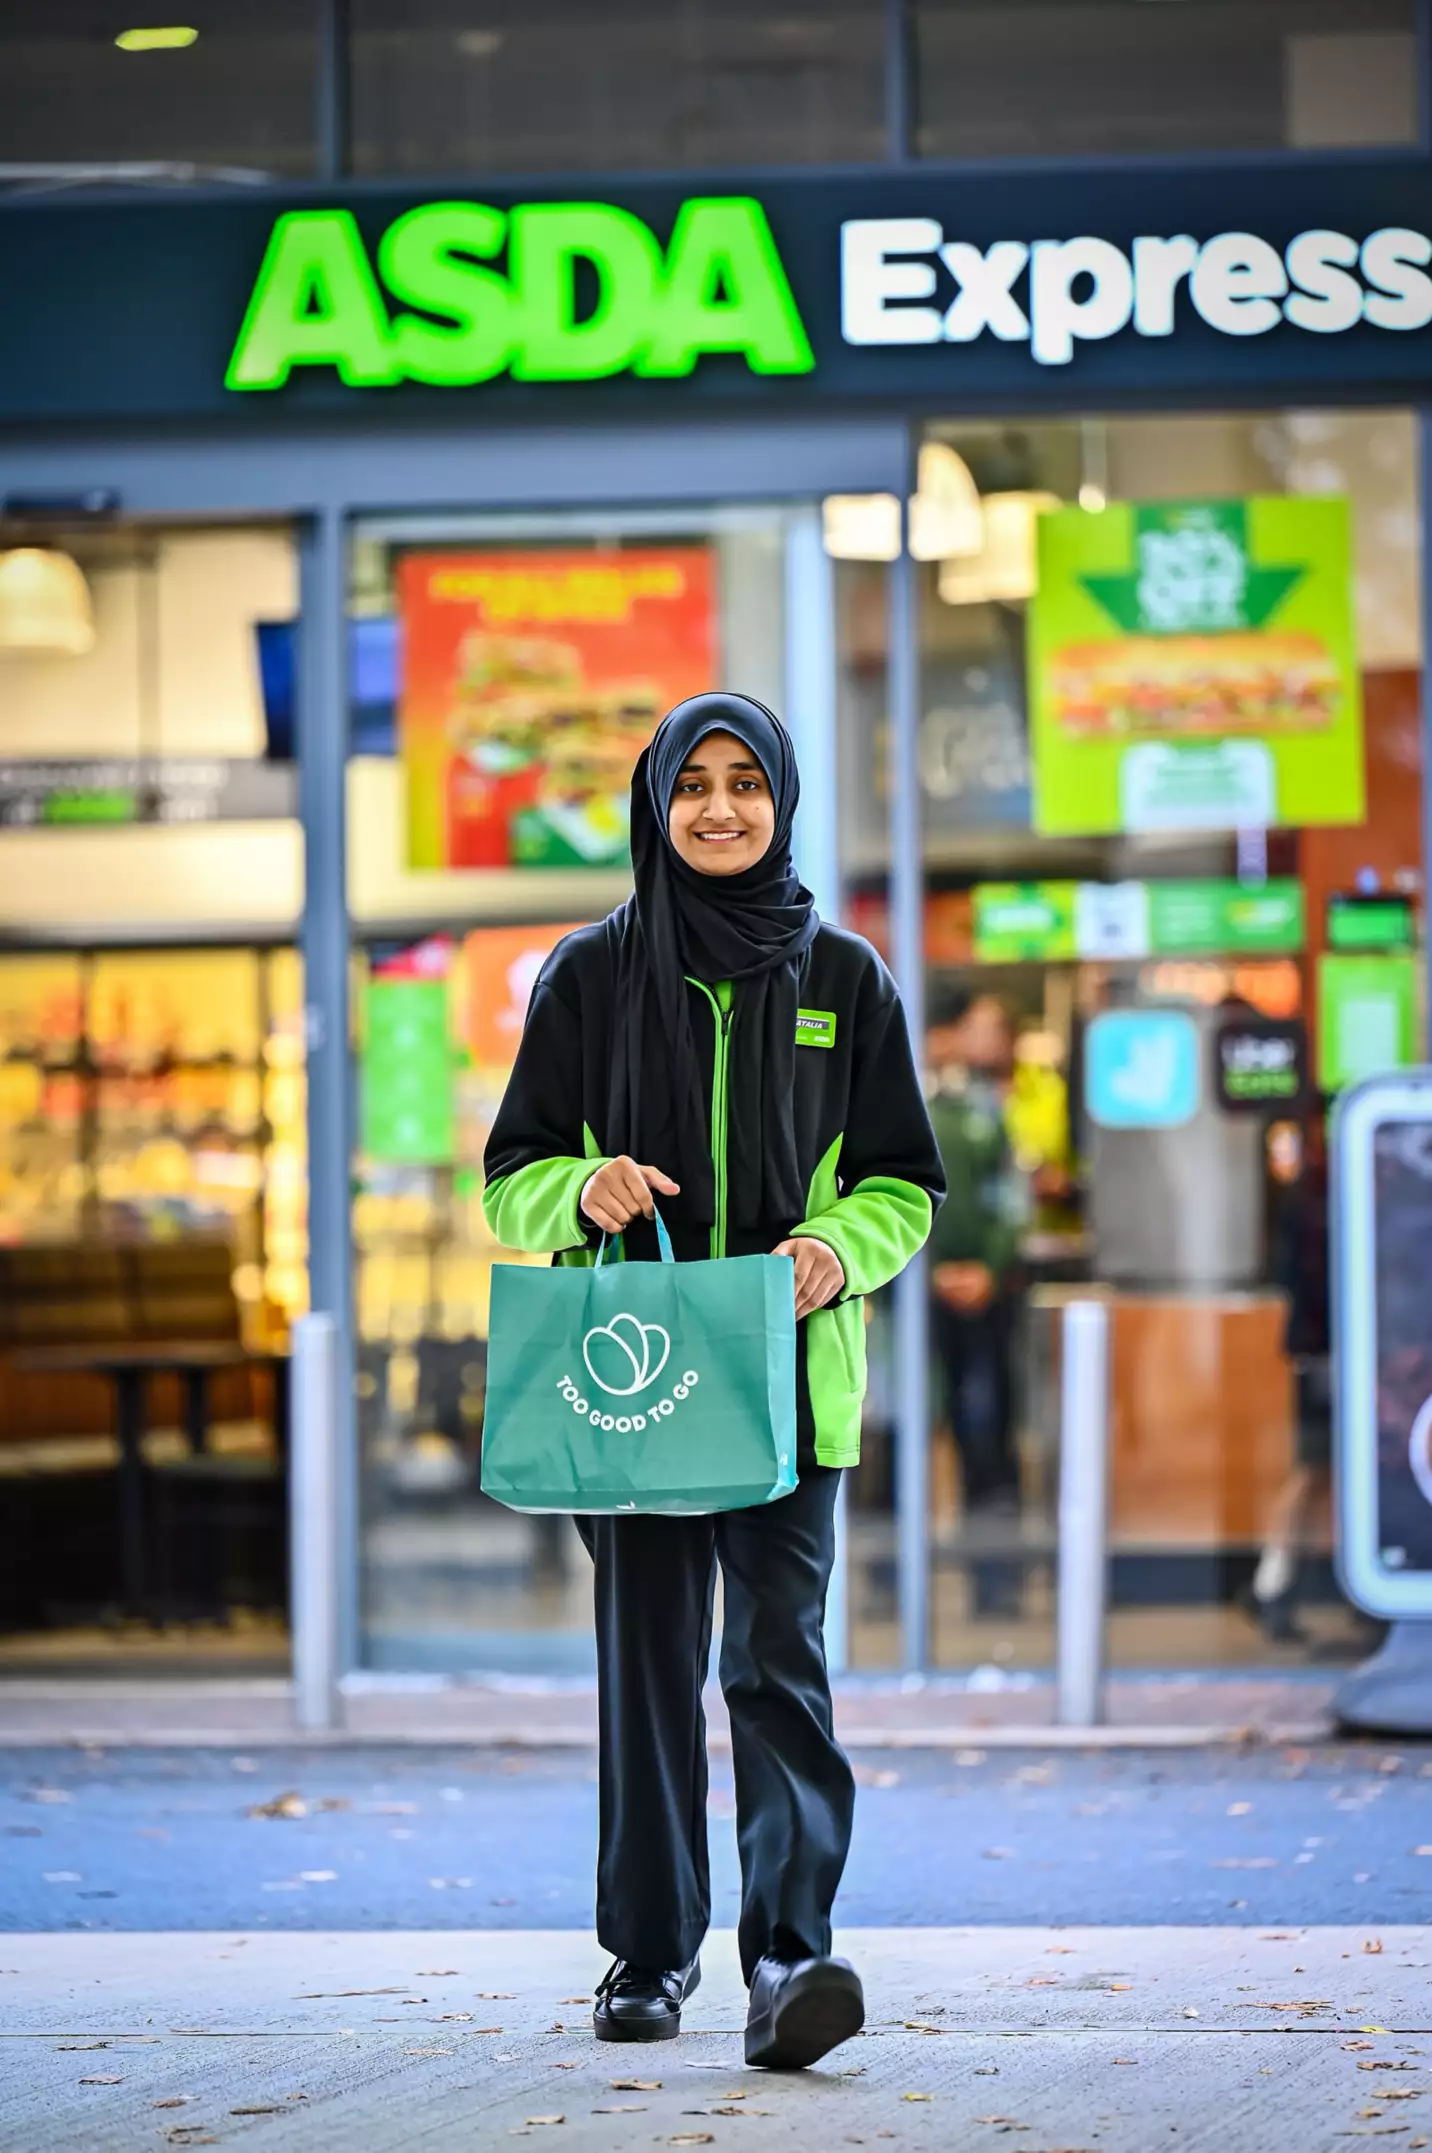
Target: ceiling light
[[945, 516], [1092, 498], [44, 602], [1006, 567], [171, 37], [861, 526]]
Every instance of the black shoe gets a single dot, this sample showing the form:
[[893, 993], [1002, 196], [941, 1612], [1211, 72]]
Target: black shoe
[[800, 2011], [643, 2003]]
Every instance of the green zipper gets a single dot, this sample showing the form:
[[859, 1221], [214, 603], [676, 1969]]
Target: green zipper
[[721, 1009]]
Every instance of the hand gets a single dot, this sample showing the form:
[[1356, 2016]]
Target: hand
[[968, 1287], [820, 1274], [621, 1191]]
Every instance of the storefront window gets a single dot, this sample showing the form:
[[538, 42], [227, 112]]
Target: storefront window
[[1171, 776], [560, 86], [230, 93], [1109, 78], [507, 672], [153, 1185]]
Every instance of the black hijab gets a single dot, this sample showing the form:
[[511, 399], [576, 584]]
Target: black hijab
[[751, 928]]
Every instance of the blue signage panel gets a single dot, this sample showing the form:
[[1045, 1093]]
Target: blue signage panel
[[938, 287], [1382, 1338], [1141, 1069]]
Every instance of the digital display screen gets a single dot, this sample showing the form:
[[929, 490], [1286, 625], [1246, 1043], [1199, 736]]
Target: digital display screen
[[1370, 923], [1402, 1193]]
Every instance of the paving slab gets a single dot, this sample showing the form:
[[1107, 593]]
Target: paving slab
[[1049, 2040]]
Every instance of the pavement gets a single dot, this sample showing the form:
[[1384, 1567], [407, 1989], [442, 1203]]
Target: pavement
[[1052, 2040], [992, 1704], [505, 1839]]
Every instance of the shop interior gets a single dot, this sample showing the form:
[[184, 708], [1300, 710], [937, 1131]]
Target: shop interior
[[503, 674]]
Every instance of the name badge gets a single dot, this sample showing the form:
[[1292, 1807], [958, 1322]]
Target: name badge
[[815, 1027]]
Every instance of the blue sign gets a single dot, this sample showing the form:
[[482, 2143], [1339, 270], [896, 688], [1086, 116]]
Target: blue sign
[[1141, 1069]]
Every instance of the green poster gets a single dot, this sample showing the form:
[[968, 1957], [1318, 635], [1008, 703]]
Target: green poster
[[407, 1073], [1044, 922], [1367, 1018], [1024, 922], [1192, 667]]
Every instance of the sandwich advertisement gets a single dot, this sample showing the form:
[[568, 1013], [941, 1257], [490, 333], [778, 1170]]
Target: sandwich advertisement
[[531, 682], [1192, 667]]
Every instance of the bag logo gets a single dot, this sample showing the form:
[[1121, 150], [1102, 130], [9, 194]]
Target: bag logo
[[625, 1348]]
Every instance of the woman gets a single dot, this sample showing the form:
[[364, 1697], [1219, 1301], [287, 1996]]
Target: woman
[[755, 1060]]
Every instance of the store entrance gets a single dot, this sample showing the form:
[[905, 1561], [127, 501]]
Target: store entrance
[[153, 1185]]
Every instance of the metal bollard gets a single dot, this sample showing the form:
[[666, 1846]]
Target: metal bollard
[[1083, 1512], [313, 1522]]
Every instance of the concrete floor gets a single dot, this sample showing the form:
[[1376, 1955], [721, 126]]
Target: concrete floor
[[1054, 2041]]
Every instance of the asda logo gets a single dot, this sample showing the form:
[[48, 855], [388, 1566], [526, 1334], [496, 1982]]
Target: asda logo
[[458, 293], [1056, 293]]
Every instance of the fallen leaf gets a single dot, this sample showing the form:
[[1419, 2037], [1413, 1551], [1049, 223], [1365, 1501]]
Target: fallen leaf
[[274, 2108], [1117, 1988], [324, 1995], [1378, 2066], [435, 1973], [622, 2108], [914, 2025], [175, 2100], [496, 1995], [71, 2047], [1060, 1951], [1372, 1947], [454, 2018], [635, 2085], [573, 1999], [427, 2052], [1359, 2045], [534, 2120], [289, 1804], [917, 2096], [693, 2138], [105, 2079], [1126, 2059], [1189, 2011]]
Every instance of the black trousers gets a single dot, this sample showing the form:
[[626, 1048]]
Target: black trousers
[[977, 1352], [795, 1793]]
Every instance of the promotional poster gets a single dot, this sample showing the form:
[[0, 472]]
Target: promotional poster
[[1192, 667], [531, 682]]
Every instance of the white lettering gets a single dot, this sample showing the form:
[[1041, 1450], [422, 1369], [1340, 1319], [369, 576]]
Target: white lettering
[[1057, 316], [1393, 261], [1327, 299], [681, 1390], [1160, 266], [869, 280], [1235, 282], [623, 1424], [985, 300], [691, 1378]]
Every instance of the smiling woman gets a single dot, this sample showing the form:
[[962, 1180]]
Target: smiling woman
[[722, 813]]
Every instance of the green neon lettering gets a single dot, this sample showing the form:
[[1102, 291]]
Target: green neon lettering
[[426, 260], [315, 304], [548, 240], [724, 289]]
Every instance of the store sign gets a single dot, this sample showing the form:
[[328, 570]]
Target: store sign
[[1192, 667], [407, 1058], [1055, 293], [1382, 1190], [126, 789], [1016, 922], [435, 306], [1002, 287], [1259, 1065]]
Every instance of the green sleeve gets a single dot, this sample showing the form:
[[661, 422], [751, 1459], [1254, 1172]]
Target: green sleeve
[[534, 1208], [875, 1230]]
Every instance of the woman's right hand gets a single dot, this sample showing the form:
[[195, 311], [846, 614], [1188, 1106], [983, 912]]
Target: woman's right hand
[[617, 1192]]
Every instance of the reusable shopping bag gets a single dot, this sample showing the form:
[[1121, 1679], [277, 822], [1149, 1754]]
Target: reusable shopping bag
[[659, 1388]]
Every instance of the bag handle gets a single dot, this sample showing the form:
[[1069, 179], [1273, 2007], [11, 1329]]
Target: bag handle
[[663, 1241]]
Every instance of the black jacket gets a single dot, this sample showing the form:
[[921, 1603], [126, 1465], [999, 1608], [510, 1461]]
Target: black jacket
[[868, 1158]]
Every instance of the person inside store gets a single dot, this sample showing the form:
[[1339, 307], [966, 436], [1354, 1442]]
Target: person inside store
[[715, 1046], [1298, 1236], [975, 1257]]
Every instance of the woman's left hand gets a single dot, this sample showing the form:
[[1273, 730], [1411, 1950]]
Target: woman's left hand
[[819, 1272]]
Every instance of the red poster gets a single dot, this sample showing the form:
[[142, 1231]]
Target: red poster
[[531, 683]]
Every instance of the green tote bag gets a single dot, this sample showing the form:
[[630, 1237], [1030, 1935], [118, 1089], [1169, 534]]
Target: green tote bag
[[661, 1388]]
